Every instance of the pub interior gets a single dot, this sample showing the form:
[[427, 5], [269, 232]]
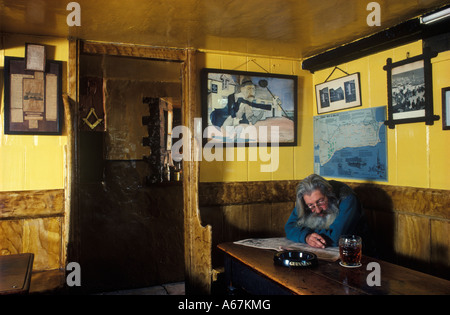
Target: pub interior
[[95, 181]]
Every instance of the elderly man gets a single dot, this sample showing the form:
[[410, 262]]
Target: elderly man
[[324, 211]]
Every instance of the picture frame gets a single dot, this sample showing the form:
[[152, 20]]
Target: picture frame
[[410, 91], [338, 94], [446, 108], [35, 57], [248, 108], [33, 99]]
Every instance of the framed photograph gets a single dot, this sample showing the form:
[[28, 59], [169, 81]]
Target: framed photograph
[[33, 103], [410, 92], [446, 108], [338, 94], [249, 108], [35, 57]]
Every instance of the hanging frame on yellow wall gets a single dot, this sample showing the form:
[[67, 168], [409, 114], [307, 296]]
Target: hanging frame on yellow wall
[[32, 99], [338, 94], [410, 90], [248, 108]]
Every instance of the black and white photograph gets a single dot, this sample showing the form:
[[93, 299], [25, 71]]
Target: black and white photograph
[[324, 98], [338, 94], [408, 91], [350, 91]]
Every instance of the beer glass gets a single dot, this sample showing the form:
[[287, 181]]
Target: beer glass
[[350, 251]]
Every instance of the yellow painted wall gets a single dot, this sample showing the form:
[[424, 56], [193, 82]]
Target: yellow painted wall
[[294, 162], [418, 155], [31, 162]]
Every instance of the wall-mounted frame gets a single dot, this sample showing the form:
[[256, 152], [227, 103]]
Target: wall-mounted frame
[[446, 108], [338, 94], [35, 57], [236, 103], [33, 104], [410, 91]]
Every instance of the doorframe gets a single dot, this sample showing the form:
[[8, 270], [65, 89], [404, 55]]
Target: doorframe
[[197, 239]]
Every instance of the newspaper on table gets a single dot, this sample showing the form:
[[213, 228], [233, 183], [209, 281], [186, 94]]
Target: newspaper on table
[[282, 243]]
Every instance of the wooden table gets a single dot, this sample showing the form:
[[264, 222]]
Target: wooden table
[[254, 271], [15, 273]]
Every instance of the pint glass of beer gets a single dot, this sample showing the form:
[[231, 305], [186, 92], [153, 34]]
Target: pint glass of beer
[[350, 250]]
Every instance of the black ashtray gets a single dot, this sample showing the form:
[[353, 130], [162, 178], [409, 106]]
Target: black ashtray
[[295, 258]]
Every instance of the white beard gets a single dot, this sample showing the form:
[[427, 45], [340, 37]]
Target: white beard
[[317, 222]]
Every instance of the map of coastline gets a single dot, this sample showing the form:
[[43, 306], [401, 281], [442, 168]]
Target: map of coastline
[[351, 144]]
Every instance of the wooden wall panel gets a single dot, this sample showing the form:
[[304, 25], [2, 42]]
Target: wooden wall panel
[[42, 237], [11, 237], [383, 226], [412, 240], [280, 214], [420, 201], [33, 203], [246, 192], [31, 222], [235, 222], [410, 225], [259, 218], [440, 251]]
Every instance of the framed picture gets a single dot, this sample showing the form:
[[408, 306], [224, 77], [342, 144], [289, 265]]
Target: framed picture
[[338, 94], [33, 102], [446, 108], [410, 92], [35, 57], [249, 108]]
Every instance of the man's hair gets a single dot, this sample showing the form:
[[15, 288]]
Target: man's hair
[[306, 187], [314, 182]]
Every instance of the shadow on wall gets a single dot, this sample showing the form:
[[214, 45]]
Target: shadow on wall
[[378, 207]]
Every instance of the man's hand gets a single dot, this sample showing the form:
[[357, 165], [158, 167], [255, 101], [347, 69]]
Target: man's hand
[[315, 240]]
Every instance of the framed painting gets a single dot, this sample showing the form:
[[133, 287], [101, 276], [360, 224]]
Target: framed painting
[[338, 94], [33, 103], [410, 91], [249, 108]]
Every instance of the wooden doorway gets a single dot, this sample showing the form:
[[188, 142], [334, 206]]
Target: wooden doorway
[[196, 239]]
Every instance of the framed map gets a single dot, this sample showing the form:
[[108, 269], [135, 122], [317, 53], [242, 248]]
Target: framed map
[[351, 144]]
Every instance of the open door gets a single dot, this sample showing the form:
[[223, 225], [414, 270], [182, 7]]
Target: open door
[[125, 232]]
